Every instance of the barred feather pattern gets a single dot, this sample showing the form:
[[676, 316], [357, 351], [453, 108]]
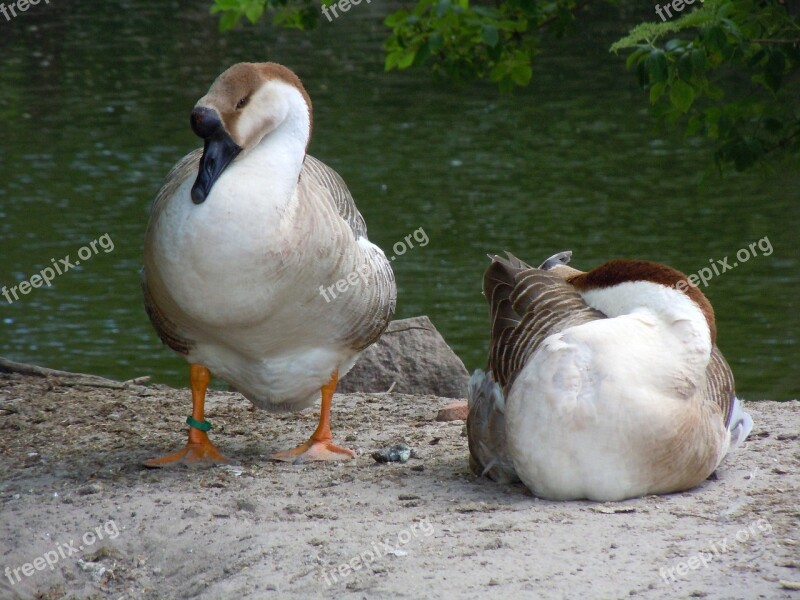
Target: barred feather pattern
[[528, 305]]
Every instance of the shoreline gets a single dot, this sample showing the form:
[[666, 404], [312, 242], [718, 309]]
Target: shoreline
[[71, 458]]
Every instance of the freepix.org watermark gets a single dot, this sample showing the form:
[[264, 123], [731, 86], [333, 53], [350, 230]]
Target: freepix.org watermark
[[50, 558], [718, 267], [46, 275], [378, 549], [701, 559], [342, 5], [355, 278], [677, 6], [10, 11]]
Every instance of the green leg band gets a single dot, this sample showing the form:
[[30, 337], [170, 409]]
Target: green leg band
[[201, 425]]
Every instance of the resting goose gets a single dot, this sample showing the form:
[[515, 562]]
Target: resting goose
[[602, 385], [245, 237]]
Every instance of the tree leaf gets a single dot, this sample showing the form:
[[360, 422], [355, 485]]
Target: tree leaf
[[229, 20], [685, 67], [396, 18], [681, 95], [716, 39], [254, 11], [658, 66], [521, 74], [490, 35], [391, 60], [407, 59], [656, 91], [698, 60], [635, 56]]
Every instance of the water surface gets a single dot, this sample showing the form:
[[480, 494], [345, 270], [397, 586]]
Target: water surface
[[94, 106]]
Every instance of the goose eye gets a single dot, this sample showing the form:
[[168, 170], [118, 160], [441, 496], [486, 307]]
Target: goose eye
[[241, 103]]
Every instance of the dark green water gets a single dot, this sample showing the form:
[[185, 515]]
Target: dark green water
[[94, 107]]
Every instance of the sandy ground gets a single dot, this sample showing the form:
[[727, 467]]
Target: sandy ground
[[74, 495]]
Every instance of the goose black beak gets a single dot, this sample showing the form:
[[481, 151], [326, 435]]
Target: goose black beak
[[218, 151]]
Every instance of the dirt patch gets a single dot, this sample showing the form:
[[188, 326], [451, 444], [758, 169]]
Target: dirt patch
[[74, 495]]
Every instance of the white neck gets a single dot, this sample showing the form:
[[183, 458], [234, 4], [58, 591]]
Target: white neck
[[293, 132], [278, 158], [674, 308]]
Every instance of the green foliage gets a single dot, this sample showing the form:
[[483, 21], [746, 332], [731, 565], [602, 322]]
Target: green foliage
[[298, 14], [457, 38], [724, 69], [466, 41], [730, 73]]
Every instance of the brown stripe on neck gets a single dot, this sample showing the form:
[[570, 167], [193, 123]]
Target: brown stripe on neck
[[619, 271]]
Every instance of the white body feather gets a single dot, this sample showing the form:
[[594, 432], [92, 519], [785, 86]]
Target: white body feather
[[599, 403]]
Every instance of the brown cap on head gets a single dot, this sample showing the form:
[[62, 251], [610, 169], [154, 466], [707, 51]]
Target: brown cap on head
[[239, 82], [623, 270]]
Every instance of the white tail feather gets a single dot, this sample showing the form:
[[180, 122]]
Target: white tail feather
[[740, 426]]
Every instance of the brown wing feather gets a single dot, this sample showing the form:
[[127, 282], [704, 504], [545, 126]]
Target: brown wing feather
[[368, 326], [486, 430], [329, 179], [166, 330], [526, 306], [720, 390]]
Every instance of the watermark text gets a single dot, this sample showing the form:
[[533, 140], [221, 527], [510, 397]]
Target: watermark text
[[701, 559], [343, 5], [360, 274], [50, 558], [379, 549], [677, 6], [46, 275], [718, 267], [19, 5]]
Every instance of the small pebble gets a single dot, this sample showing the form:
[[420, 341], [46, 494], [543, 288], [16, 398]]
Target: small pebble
[[92, 488], [397, 453], [96, 569]]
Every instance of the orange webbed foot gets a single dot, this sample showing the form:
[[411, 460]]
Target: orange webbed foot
[[313, 450], [197, 452], [320, 446]]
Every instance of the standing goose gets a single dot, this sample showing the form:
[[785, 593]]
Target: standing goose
[[245, 237], [602, 385]]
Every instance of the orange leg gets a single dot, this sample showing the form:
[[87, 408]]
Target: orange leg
[[199, 450], [320, 446]]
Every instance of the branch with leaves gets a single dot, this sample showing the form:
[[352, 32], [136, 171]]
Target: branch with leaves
[[727, 70]]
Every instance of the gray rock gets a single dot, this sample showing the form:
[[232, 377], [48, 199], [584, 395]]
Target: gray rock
[[413, 355]]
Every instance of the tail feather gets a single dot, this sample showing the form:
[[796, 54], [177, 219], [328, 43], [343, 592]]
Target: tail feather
[[741, 424], [486, 430]]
